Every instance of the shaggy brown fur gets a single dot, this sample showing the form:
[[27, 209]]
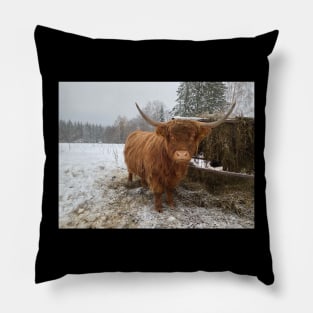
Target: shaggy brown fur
[[161, 158]]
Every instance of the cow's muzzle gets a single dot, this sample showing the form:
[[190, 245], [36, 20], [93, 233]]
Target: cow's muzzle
[[182, 156]]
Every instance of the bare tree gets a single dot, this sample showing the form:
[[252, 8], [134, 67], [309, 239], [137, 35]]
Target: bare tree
[[243, 92]]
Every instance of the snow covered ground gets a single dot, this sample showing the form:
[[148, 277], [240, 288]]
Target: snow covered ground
[[94, 193], [201, 163]]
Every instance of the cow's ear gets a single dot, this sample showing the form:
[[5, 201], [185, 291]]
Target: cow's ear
[[162, 130], [204, 131]]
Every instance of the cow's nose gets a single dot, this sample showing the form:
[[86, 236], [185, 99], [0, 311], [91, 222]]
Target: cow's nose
[[182, 155]]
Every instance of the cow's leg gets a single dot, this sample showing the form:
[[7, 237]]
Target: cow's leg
[[157, 190], [158, 202], [130, 176], [143, 182], [169, 198]]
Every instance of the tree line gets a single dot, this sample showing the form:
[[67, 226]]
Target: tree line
[[78, 132]]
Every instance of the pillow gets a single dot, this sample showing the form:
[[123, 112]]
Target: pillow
[[67, 247]]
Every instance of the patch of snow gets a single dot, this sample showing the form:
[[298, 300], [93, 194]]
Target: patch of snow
[[80, 165], [202, 163]]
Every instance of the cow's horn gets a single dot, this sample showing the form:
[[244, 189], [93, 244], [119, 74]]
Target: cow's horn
[[148, 119], [219, 122]]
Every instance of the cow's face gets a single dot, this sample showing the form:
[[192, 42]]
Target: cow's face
[[182, 138]]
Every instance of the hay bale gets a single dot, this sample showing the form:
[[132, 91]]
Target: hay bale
[[232, 145]]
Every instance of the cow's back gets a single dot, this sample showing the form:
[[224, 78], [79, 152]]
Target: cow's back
[[141, 151]]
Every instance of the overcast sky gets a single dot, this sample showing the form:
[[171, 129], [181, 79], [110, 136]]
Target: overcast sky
[[102, 102]]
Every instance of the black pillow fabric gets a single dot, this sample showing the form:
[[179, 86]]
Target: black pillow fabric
[[65, 57]]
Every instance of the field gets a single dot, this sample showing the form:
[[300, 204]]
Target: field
[[94, 193]]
